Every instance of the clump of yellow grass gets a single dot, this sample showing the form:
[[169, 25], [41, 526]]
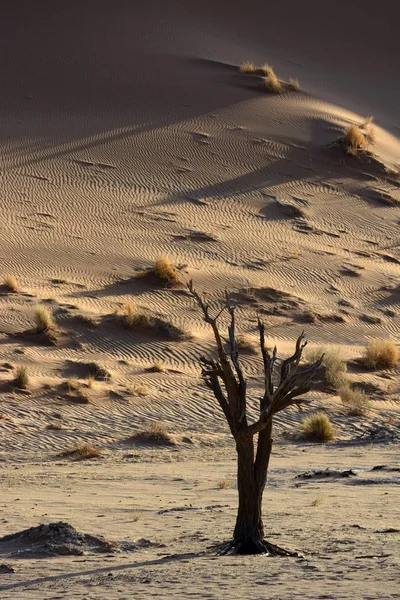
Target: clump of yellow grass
[[318, 428], [247, 67], [354, 140], [272, 83], [381, 354], [166, 271], [43, 319]]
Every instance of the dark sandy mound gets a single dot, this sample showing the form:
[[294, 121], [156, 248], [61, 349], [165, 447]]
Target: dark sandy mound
[[53, 539]]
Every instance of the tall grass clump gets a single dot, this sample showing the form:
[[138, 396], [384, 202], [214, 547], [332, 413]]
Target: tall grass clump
[[43, 319], [21, 379], [247, 67], [318, 428], [353, 140], [333, 368], [272, 83], [166, 271], [355, 401], [381, 354]]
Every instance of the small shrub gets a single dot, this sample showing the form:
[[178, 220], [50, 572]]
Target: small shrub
[[90, 382], [11, 284], [333, 370], [245, 344], [381, 354], [272, 83], [318, 428], [247, 67], [355, 401], [293, 84], [353, 140], [166, 271], [80, 451], [43, 320], [21, 380]]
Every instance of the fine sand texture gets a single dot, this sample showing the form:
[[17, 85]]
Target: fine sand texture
[[128, 133]]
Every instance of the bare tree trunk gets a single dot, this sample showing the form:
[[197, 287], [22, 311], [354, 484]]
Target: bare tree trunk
[[249, 529]]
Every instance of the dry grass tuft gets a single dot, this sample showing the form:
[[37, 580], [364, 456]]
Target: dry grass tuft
[[272, 83], [166, 271], [131, 317], [246, 344], [318, 428], [11, 284], [43, 320], [293, 84], [353, 140], [266, 70], [80, 451], [333, 369], [138, 389], [90, 382], [247, 67], [225, 483], [21, 379], [156, 434], [355, 401], [381, 354]]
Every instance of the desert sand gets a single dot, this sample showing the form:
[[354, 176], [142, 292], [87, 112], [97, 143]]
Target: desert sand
[[128, 132]]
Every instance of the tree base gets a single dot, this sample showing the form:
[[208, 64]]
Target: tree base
[[253, 546]]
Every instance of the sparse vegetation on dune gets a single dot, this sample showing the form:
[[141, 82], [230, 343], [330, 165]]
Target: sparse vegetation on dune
[[156, 434], [163, 271], [272, 83], [247, 67], [381, 354], [270, 80], [43, 320], [318, 428], [353, 140], [80, 451], [266, 69], [11, 284], [293, 84], [132, 318], [355, 401], [166, 271], [333, 370], [21, 379]]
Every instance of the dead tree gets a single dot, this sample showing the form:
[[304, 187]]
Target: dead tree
[[224, 376]]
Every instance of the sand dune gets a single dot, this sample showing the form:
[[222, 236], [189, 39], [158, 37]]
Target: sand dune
[[128, 132]]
